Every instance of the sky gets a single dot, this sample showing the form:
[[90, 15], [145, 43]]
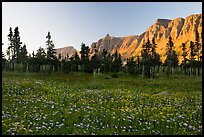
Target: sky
[[71, 23]]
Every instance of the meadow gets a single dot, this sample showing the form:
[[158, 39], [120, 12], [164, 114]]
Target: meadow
[[80, 104]]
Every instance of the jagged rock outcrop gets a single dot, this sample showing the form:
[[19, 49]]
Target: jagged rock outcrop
[[181, 30]]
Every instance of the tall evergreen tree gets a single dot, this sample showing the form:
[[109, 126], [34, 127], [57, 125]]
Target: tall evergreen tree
[[75, 62], [51, 54], [10, 50], [138, 66], [155, 57], [106, 61], [85, 65], [131, 64], [16, 43], [14, 47], [23, 57], [197, 45], [23, 53], [41, 58], [172, 59], [197, 49], [95, 61], [192, 62], [51, 51], [116, 63], [146, 58], [184, 54]]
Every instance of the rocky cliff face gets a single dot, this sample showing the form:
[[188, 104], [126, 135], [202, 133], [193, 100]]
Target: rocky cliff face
[[181, 30], [68, 50]]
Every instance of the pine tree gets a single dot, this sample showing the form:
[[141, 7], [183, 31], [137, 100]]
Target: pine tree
[[172, 59], [138, 66], [41, 53], [197, 45], [192, 62], [106, 61], [41, 58], [95, 61], [131, 64], [50, 48], [10, 50], [155, 58], [51, 54], [116, 63], [23, 53], [85, 58], [32, 62], [23, 56], [75, 62], [184, 54], [14, 47], [197, 49], [16, 44], [146, 58]]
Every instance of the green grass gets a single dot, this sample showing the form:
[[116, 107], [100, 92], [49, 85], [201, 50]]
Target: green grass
[[79, 103]]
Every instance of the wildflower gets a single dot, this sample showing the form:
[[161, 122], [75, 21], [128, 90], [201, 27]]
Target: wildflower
[[185, 124], [180, 116], [190, 126]]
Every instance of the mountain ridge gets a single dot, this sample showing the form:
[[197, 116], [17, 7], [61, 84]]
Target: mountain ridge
[[182, 30]]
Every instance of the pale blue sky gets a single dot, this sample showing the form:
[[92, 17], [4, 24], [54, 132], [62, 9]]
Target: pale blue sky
[[72, 23]]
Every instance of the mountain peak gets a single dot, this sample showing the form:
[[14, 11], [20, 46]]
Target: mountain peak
[[107, 35], [67, 50], [163, 22]]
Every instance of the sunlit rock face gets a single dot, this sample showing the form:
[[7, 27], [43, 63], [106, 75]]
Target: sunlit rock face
[[67, 51], [181, 30]]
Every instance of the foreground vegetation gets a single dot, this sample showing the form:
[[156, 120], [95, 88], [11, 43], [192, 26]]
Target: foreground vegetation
[[78, 103]]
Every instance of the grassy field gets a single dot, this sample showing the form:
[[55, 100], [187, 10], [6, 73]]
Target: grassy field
[[77, 103]]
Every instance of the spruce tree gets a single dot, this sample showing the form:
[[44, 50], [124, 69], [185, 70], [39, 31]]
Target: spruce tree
[[75, 62], [41, 58], [172, 59], [51, 51], [16, 43], [197, 49], [192, 62], [85, 64], [23, 56], [95, 61], [106, 61], [155, 58], [131, 64], [116, 63], [184, 54], [146, 58], [51, 54], [10, 50]]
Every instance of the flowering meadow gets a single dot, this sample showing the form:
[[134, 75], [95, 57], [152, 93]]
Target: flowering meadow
[[83, 104]]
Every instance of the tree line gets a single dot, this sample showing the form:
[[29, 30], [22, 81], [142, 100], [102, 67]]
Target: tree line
[[148, 64]]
